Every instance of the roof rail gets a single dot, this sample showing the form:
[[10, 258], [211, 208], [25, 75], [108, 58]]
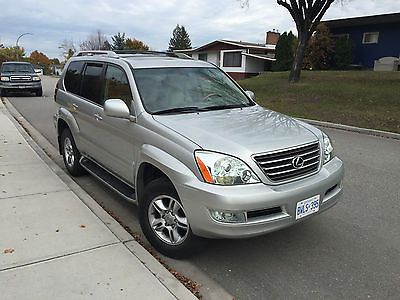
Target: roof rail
[[96, 52], [155, 53], [115, 53]]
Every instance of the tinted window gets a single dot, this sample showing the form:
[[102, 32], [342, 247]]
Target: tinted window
[[92, 83], [232, 59], [17, 68], [72, 78], [117, 85]]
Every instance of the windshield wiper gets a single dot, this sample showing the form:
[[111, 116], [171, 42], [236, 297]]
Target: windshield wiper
[[187, 109], [217, 107]]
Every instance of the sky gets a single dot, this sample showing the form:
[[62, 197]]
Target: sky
[[152, 21]]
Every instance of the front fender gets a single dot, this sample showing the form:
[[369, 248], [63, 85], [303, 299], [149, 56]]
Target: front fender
[[173, 168]]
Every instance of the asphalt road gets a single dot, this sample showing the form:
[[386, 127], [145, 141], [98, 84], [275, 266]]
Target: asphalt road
[[350, 251]]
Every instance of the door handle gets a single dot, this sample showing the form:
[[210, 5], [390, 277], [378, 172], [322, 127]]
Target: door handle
[[74, 105], [98, 117]]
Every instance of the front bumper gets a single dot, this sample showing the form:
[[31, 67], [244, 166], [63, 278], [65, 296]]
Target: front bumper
[[23, 86], [199, 197]]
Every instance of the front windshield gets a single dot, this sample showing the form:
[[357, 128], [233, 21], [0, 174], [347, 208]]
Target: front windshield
[[17, 68], [167, 90]]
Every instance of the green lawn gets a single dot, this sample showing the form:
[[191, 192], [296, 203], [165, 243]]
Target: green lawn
[[359, 98]]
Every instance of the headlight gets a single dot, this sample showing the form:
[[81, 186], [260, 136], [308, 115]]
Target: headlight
[[328, 148], [223, 169], [36, 78], [4, 78]]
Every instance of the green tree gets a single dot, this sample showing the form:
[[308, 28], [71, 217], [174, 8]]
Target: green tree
[[344, 53], [180, 39], [284, 52], [320, 49], [118, 41], [15, 53]]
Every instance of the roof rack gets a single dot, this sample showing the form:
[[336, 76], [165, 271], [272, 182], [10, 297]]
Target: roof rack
[[96, 52], [116, 53]]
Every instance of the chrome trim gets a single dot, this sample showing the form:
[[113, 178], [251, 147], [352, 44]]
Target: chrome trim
[[265, 169]]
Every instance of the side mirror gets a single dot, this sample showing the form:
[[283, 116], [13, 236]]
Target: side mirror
[[116, 108], [251, 95]]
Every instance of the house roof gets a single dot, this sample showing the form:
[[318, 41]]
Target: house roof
[[361, 21], [260, 56], [245, 45]]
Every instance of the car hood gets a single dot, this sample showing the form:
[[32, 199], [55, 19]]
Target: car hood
[[237, 131], [18, 74]]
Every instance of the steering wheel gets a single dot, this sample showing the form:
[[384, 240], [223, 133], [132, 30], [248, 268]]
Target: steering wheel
[[210, 95]]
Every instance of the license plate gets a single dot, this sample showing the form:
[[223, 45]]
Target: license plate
[[307, 207]]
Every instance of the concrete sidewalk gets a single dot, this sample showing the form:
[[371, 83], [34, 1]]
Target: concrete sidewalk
[[56, 243]]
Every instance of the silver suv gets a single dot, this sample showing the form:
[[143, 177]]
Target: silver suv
[[191, 148]]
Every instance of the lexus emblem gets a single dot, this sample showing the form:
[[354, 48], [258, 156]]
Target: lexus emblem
[[297, 162]]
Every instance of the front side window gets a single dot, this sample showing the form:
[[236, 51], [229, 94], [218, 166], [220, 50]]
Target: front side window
[[92, 82], [116, 85], [72, 80], [370, 38], [233, 59], [169, 89]]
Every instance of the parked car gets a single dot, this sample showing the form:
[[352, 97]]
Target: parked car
[[191, 148], [19, 76]]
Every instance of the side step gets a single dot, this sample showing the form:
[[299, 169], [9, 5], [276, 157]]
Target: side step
[[109, 179]]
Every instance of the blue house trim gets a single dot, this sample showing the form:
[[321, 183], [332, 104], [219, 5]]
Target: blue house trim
[[388, 44]]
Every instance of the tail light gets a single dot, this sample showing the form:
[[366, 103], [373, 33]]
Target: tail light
[[56, 89]]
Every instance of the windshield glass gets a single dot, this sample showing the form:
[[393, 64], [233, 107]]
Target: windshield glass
[[180, 90], [17, 68]]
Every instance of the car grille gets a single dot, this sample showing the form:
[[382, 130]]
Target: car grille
[[20, 78], [280, 166]]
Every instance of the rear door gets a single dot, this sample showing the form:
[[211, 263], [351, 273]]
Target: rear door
[[89, 109]]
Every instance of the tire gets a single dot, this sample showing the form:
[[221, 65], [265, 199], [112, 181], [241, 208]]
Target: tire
[[170, 233], [39, 92], [71, 154]]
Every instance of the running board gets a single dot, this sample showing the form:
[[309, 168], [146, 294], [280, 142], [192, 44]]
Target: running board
[[109, 179]]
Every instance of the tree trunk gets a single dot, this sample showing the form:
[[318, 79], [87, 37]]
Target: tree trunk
[[298, 59]]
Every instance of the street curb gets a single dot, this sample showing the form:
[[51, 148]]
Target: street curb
[[32, 136], [374, 132]]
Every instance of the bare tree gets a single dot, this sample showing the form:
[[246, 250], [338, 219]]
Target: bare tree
[[68, 48], [97, 41], [307, 14]]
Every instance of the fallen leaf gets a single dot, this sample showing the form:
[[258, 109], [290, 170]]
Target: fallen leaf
[[15, 262], [83, 226], [57, 230], [9, 172], [9, 251]]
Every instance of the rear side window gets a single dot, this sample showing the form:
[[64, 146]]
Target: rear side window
[[117, 85], [92, 83], [72, 78]]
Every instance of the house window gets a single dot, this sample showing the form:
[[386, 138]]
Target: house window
[[371, 38], [233, 59], [203, 56]]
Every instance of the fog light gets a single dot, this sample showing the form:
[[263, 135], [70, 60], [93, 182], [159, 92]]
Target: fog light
[[228, 216]]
